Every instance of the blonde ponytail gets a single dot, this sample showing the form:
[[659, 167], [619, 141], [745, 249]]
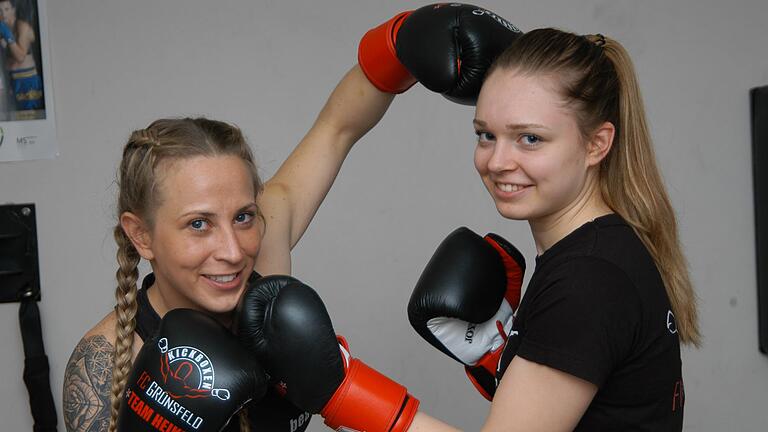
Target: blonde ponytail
[[633, 187]]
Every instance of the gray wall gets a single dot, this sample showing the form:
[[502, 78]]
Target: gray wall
[[268, 67]]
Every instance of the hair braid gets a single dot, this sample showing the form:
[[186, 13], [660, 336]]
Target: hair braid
[[245, 425], [125, 294]]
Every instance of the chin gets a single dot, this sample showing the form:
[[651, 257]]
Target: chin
[[512, 213], [222, 304]]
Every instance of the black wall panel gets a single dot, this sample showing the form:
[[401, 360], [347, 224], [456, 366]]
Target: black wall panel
[[759, 111]]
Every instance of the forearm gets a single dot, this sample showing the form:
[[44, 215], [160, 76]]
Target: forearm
[[17, 52], [424, 423], [352, 109]]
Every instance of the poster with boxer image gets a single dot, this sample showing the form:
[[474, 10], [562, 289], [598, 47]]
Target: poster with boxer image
[[27, 125]]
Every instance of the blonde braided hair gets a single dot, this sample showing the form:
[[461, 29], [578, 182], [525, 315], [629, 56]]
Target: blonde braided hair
[[165, 139]]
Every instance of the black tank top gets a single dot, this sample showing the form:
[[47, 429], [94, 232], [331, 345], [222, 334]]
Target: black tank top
[[147, 319]]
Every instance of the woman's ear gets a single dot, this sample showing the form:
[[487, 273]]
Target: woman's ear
[[138, 233], [600, 143]]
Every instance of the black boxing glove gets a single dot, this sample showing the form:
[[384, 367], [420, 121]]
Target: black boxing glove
[[447, 47], [464, 301], [285, 324], [193, 375], [274, 413]]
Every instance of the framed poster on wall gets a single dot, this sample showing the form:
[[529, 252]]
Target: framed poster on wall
[[759, 113], [27, 124]]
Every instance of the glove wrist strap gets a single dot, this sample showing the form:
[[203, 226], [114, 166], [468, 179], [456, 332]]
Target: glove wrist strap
[[369, 401], [378, 59]]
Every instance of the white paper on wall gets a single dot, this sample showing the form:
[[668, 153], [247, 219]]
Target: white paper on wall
[[27, 123]]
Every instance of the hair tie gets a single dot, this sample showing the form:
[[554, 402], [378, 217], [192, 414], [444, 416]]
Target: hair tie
[[600, 40], [146, 138]]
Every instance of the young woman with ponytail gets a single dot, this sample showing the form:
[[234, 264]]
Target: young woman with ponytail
[[594, 344], [191, 203], [563, 144]]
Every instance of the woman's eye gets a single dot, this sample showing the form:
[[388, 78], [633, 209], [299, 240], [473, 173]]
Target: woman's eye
[[198, 224], [530, 139], [243, 218], [484, 136]]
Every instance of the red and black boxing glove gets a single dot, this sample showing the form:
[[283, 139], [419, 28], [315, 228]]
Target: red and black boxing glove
[[464, 302], [285, 324], [193, 375], [448, 47]]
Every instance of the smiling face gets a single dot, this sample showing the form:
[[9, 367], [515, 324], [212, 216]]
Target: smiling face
[[530, 153], [205, 235]]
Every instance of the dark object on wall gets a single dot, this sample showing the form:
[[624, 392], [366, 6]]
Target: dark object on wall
[[20, 282], [19, 274], [759, 105]]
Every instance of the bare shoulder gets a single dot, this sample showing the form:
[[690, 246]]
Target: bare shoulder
[[25, 28], [88, 379]]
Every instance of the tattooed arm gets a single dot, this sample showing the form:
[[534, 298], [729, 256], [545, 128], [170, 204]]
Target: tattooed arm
[[88, 378], [87, 382]]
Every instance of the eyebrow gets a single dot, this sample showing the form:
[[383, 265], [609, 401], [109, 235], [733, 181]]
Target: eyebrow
[[513, 126], [208, 214]]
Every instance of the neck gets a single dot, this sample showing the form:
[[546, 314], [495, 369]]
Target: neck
[[161, 303], [550, 229], [157, 300]]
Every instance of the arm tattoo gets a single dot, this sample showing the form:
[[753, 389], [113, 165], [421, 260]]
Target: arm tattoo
[[87, 386]]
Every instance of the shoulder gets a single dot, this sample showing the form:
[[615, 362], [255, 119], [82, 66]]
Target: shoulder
[[25, 32], [88, 379], [104, 333], [589, 275], [593, 290], [91, 359], [605, 261], [24, 27], [104, 328]]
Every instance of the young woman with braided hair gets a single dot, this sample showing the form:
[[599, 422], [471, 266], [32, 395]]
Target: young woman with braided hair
[[191, 203], [148, 153]]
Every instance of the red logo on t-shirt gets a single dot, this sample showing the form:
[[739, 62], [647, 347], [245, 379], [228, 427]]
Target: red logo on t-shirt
[[678, 395]]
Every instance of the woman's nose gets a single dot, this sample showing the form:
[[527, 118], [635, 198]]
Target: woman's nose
[[503, 158], [229, 248]]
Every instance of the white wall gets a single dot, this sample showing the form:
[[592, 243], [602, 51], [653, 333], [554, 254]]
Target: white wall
[[268, 66]]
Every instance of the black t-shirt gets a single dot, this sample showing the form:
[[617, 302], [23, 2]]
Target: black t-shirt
[[271, 414], [596, 308]]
